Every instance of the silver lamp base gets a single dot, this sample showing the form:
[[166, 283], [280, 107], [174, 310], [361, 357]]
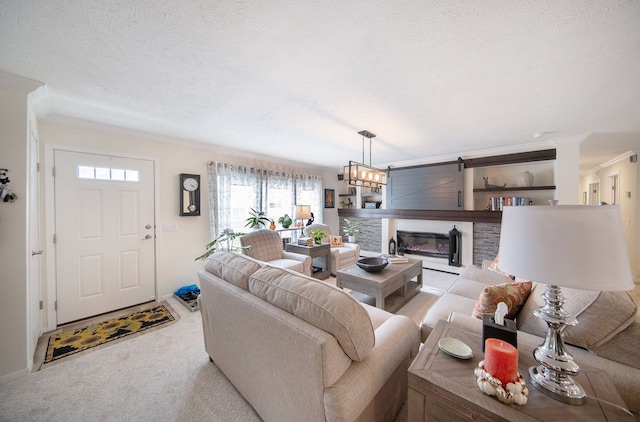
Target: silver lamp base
[[554, 375]]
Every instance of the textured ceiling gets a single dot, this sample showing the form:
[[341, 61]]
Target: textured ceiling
[[431, 78]]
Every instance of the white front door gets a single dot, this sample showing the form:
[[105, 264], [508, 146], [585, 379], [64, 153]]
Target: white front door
[[105, 233]]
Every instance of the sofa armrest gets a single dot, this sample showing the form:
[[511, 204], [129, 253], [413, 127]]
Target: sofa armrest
[[397, 342], [355, 246], [306, 260]]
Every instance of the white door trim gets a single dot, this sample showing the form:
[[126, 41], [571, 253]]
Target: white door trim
[[49, 201]]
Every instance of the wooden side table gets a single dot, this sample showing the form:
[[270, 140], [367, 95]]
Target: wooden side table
[[443, 388], [315, 251]]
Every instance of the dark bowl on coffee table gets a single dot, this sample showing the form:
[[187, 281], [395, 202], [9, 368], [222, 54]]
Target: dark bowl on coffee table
[[372, 265]]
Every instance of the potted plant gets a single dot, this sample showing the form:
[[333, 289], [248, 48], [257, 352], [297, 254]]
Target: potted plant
[[350, 230], [257, 219], [346, 204], [227, 236], [285, 220], [317, 236], [272, 225]]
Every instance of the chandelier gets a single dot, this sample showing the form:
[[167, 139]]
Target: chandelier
[[360, 174]]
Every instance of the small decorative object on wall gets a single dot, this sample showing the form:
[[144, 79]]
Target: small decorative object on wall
[[329, 198], [6, 194], [189, 194]]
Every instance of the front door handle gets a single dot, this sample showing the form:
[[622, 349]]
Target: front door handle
[[36, 253], [147, 237]]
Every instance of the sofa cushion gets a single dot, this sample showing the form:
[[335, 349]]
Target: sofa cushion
[[600, 315], [512, 294], [487, 277], [446, 304], [319, 304], [493, 266], [464, 287], [232, 267]]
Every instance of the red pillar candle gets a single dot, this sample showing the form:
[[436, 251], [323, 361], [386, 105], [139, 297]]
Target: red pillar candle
[[501, 360]]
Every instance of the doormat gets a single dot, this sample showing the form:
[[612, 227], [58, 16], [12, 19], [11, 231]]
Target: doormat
[[64, 344]]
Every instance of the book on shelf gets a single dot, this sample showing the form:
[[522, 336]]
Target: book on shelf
[[497, 203], [395, 259]]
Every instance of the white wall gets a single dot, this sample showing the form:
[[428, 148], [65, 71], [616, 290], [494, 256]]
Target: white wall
[[176, 249], [13, 238], [628, 183]]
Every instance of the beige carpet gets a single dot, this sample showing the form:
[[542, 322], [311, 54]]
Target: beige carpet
[[164, 375]]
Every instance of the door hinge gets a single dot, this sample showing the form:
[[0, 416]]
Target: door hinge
[[53, 171], [41, 305], [55, 305], [55, 238], [38, 167]]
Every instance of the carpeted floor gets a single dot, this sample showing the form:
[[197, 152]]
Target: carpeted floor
[[163, 375]]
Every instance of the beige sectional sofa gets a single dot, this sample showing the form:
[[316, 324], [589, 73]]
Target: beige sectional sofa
[[607, 335], [298, 349]]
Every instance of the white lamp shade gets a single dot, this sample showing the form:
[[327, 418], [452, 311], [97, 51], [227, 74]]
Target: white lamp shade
[[302, 212], [580, 246]]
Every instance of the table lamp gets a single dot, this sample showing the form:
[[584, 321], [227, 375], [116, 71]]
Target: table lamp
[[580, 247], [301, 212]]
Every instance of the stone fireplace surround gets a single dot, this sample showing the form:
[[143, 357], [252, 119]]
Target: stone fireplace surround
[[480, 232]]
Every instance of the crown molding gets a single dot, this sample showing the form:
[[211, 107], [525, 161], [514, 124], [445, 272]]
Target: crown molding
[[18, 83]]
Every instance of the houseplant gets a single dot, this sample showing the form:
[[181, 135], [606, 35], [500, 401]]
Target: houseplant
[[350, 230], [257, 219], [227, 236], [285, 220], [317, 236]]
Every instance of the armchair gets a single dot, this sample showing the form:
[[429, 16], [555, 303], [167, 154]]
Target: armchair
[[341, 256], [266, 245]]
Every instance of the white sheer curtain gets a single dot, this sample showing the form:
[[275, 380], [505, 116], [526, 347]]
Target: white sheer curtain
[[309, 192], [273, 192], [222, 178]]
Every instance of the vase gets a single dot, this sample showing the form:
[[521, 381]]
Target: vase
[[525, 179], [352, 239]]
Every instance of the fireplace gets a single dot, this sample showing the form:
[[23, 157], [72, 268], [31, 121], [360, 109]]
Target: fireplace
[[436, 245]]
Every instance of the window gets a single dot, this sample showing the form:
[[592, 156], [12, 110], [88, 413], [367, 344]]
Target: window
[[234, 190], [101, 173]]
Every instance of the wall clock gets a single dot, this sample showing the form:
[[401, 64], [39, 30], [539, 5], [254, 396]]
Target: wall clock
[[189, 194]]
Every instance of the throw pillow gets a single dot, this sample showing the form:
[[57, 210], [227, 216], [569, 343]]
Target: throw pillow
[[512, 294], [336, 241], [494, 267]]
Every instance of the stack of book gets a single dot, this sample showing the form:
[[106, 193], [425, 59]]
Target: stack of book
[[395, 259], [305, 241], [496, 203]]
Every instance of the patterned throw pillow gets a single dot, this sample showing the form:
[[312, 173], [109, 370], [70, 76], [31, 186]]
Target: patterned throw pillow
[[494, 267], [512, 294], [336, 241]]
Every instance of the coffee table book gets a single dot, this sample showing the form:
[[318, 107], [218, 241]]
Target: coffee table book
[[443, 388]]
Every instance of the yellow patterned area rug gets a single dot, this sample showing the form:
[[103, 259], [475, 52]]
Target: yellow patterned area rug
[[70, 342]]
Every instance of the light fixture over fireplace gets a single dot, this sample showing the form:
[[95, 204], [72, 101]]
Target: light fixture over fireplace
[[360, 174]]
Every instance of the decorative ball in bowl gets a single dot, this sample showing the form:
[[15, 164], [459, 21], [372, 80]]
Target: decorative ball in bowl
[[372, 265]]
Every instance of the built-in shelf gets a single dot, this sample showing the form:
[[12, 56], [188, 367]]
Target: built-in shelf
[[514, 188]]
